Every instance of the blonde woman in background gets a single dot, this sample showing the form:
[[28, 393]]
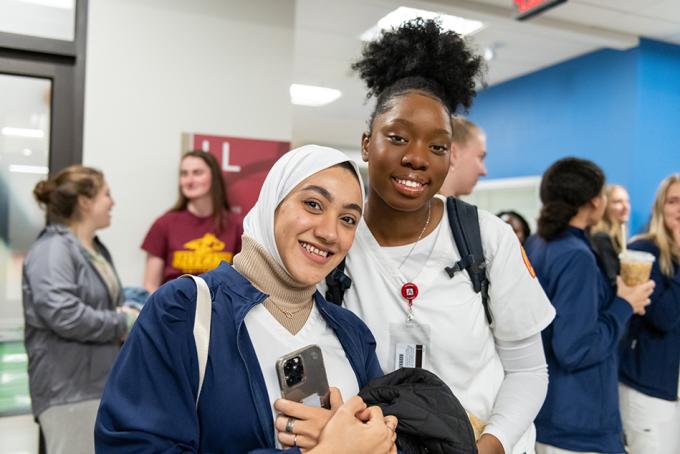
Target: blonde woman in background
[[616, 215], [608, 236], [650, 359]]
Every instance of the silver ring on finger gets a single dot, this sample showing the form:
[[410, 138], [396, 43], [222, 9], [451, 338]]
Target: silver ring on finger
[[295, 440], [289, 425]]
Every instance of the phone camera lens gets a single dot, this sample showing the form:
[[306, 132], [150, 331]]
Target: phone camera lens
[[293, 371]]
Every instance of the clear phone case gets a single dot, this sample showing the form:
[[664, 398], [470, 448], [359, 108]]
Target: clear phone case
[[302, 377]]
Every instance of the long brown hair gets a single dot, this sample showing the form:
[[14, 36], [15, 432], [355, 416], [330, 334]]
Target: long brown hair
[[607, 224], [59, 193], [218, 194], [658, 232]]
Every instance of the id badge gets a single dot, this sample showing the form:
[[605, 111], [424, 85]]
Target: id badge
[[409, 345]]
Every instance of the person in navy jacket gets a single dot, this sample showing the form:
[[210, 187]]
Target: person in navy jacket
[[263, 307], [581, 411], [650, 351]]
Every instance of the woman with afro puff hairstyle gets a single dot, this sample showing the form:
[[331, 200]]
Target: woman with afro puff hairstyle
[[581, 410], [420, 75]]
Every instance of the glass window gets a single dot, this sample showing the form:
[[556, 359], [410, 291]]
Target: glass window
[[24, 153], [53, 19]]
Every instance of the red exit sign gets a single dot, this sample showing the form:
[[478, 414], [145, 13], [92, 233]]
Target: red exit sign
[[530, 8]]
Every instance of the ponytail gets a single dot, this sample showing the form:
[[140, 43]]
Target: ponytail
[[566, 186]]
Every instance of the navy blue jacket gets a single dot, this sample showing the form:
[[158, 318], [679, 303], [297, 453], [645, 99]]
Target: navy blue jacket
[[650, 351], [581, 410], [149, 401]]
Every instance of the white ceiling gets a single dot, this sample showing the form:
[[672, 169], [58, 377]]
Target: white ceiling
[[327, 42]]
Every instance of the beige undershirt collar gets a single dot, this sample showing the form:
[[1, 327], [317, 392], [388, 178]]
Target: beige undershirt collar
[[289, 302]]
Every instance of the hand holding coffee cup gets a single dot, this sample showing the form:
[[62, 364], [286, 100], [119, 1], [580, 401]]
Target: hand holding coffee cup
[[636, 266], [637, 296]]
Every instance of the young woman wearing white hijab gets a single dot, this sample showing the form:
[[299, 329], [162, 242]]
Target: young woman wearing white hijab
[[263, 307]]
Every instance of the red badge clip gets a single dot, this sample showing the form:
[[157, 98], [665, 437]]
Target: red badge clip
[[410, 292]]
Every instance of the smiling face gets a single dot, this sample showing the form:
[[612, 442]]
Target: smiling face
[[671, 208], [314, 225], [194, 178], [618, 207], [97, 210], [408, 151]]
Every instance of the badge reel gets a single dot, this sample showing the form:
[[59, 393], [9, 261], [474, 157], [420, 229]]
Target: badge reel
[[409, 340]]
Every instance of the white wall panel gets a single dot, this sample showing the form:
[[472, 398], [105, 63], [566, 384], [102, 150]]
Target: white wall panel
[[157, 68]]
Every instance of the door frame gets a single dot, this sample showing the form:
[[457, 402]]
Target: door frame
[[63, 62]]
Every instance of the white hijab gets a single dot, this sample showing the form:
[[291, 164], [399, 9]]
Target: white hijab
[[289, 171]]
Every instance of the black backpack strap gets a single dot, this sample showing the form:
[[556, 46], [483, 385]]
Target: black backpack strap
[[464, 223], [337, 282]]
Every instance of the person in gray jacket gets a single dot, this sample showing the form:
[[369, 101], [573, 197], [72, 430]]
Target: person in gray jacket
[[74, 322]]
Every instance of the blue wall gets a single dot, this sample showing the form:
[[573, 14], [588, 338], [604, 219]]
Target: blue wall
[[619, 109], [658, 124]]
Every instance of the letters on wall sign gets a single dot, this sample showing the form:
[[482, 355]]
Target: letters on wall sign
[[245, 164]]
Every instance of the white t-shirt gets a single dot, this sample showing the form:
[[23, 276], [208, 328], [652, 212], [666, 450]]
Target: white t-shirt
[[410, 258], [462, 350], [271, 341]]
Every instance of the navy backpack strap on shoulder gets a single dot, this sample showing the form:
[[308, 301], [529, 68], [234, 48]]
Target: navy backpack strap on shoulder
[[337, 283], [464, 223]]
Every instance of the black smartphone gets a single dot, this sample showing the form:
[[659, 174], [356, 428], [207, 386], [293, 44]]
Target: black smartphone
[[302, 377]]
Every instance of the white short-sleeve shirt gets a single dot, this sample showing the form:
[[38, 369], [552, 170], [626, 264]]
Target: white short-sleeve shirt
[[462, 350]]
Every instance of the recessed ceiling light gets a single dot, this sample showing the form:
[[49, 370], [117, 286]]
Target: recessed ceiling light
[[402, 14], [310, 95], [38, 170], [23, 132], [61, 4]]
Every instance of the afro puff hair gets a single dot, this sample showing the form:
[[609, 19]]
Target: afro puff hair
[[420, 49]]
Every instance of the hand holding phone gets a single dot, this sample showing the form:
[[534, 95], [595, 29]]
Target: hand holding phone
[[309, 421], [302, 377]]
